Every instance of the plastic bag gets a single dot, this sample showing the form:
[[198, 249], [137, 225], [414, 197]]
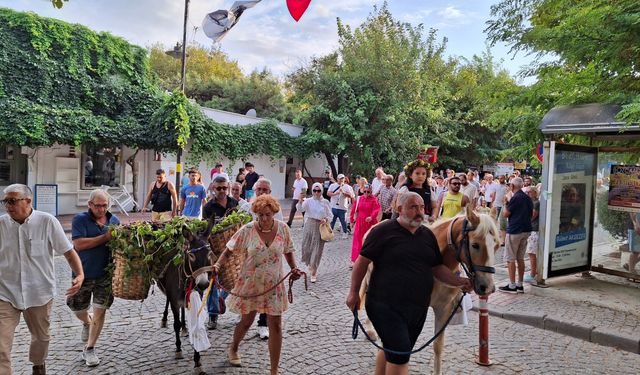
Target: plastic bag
[[460, 317], [196, 324]]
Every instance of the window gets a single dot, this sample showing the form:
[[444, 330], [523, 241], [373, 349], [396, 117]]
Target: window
[[101, 166], [6, 158]]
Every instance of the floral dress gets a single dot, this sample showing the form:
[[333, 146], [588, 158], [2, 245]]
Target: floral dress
[[262, 268]]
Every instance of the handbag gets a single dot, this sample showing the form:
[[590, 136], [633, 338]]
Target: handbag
[[325, 232]]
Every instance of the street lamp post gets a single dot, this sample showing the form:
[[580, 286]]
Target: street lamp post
[[183, 71]]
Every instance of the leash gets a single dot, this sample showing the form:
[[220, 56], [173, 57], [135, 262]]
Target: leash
[[357, 324]]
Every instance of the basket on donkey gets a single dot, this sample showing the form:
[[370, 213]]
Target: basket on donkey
[[129, 277], [228, 274]]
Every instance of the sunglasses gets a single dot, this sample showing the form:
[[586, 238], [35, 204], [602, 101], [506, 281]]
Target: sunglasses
[[221, 188], [317, 191], [12, 201]]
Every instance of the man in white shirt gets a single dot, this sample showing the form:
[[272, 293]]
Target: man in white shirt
[[300, 186], [489, 188], [339, 192], [499, 191], [29, 239], [378, 181], [468, 189]]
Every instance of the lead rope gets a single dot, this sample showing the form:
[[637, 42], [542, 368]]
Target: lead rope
[[357, 323]]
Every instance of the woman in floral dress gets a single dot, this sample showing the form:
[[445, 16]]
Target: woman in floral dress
[[265, 243]]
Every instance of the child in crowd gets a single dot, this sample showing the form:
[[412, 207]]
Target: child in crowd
[[532, 241]]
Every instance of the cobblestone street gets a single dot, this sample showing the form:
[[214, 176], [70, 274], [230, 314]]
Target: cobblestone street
[[317, 339]]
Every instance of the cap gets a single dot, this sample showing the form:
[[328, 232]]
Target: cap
[[340, 176]]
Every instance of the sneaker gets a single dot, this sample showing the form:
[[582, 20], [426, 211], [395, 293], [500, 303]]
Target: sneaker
[[85, 332], [529, 279], [519, 289], [508, 289], [90, 358], [345, 236], [213, 322], [263, 332]]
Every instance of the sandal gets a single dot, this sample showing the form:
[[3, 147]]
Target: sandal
[[234, 360]]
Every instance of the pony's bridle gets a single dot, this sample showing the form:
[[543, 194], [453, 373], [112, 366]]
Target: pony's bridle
[[470, 268], [201, 270]]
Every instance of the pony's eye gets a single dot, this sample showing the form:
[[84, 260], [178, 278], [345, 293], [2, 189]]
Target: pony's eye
[[475, 246]]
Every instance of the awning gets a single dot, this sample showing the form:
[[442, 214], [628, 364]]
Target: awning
[[586, 118]]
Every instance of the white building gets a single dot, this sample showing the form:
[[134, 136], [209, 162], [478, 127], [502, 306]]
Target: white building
[[77, 171]]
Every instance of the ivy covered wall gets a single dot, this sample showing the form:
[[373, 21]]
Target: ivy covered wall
[[65, 83]]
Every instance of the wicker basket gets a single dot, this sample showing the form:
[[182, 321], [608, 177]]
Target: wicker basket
[[229, 272], [128, 280]]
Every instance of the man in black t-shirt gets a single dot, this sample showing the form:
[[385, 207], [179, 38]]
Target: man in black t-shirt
[[250, 178], [405, 258]]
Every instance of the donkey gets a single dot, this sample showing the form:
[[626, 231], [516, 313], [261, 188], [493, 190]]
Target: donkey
[[174, 280]]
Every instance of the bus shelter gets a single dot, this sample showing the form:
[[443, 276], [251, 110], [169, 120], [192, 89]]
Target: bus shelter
[[590, 195]]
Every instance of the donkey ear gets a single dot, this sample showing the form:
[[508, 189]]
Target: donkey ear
[[187, 234], [471, 216]]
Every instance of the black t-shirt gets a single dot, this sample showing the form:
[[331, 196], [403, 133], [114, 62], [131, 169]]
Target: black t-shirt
[[325, 189], [402, 264], [250, 179], [425, 193], [214, 208], [521, 208]]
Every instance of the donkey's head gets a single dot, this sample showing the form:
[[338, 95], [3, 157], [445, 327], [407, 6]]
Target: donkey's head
[[198, 256]]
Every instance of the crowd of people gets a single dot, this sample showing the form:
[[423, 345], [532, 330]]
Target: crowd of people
[[415, 197]]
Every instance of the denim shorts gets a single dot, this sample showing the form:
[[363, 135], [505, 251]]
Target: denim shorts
[[99, 288]]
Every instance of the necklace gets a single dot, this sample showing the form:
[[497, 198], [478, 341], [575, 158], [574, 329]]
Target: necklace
[[266, 231]]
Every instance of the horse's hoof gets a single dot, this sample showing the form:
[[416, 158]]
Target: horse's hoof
[[178, 355], [163, 324], [185, 332], [198, 371]]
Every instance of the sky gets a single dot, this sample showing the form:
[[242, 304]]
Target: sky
[[267, 36]]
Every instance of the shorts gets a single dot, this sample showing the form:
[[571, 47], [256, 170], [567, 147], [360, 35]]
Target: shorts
[[161, 216], [398, 327], [634, 241], [503, 221], [101, 291], [532, 243], [515, 246]]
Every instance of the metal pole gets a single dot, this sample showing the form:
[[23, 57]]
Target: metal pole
[[183, 71], [483, 351]]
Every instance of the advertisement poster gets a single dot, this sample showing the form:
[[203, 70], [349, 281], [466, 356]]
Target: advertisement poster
[[572, 210], [624, 188], [503, 169]]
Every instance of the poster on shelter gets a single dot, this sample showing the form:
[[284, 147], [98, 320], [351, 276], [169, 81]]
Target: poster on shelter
[[624, 188], [572, 208]]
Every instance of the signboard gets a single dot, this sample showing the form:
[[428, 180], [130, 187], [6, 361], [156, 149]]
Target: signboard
[[520, 164], [569, 201], [46, 198], [624, 188], [504, 168]]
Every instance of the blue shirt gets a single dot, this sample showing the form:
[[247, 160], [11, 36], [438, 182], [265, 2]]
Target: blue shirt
[[521, 208], [94, 260], [193, 195]]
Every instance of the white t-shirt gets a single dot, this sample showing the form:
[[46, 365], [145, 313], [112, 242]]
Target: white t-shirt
[[298, 185], [376, 184], [501, 190], [339, 200], [26, 259], [488, 190]]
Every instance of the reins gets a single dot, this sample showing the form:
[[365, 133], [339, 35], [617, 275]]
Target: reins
[[357, 324]]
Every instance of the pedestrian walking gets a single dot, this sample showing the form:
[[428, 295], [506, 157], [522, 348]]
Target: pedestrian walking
[[299, 188], [386, 196], [266, 243], [364, 215], [29, 239], [192, 196], [532, 241], [163, 198], [90, 234], [339, 193], [318, 211], [519, 211], [250, 178], [405, 257], [328, 180], [218, 207]]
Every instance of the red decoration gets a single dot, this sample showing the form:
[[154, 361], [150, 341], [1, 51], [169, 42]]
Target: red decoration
[[539, 152], [297, 8], [430, 154]]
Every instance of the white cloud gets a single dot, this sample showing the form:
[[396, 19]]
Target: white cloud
[[451, 13]]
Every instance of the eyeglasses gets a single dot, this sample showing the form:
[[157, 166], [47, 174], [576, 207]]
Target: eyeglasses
[[317, 191], [221, 188], [105, 206], [12, 201]]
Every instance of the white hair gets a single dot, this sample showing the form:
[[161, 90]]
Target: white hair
[[21, 189], [517, 182], [404, 197], [98, 193], [264, 181]]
